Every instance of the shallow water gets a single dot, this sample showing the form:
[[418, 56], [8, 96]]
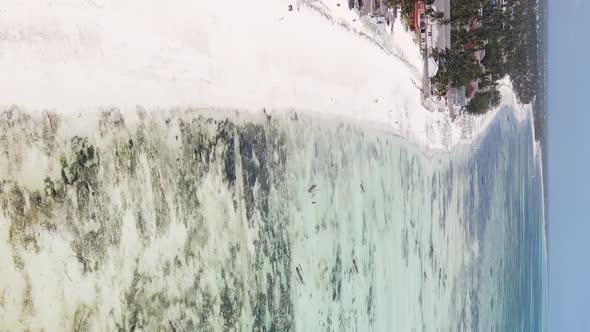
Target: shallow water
[[224, 221]]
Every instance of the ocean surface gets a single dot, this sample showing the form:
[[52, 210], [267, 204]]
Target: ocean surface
[[214, 220]]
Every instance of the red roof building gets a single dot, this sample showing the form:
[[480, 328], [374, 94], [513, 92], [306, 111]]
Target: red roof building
[[414, 17], [469, 46]]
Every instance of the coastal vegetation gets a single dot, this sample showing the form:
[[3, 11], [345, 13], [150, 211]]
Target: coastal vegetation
[[481, 102], [505, 41]]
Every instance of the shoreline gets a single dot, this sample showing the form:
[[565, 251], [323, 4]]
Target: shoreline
[[75, 61]]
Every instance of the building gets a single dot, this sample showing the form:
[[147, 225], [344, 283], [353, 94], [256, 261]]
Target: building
[[441, 32], [417, 16], [432, 67], [467, 92], [503, 4], [417, 22], [461, 97], [468, 47], [471, 88], [479, 56], [433, 33]]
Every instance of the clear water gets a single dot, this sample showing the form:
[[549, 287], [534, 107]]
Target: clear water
[[219, 221], [508, 215]]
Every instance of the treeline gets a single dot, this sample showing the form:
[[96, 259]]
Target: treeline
[[520, 39]]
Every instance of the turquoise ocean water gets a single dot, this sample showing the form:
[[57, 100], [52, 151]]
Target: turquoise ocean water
[[217, 221], [506, 212]]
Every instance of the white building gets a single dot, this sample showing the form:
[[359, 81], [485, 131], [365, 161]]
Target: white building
[[441, 33]]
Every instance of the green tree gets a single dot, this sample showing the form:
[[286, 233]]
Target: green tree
[[482, 102]]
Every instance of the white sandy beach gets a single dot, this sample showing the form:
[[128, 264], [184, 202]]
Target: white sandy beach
[[72, 55]]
